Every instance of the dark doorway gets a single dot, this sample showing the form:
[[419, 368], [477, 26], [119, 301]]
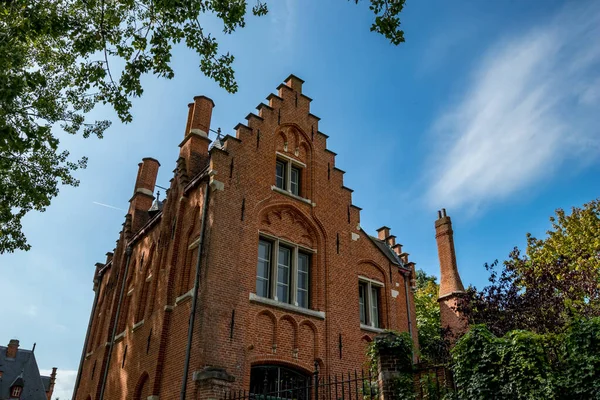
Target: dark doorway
[[278, 382]]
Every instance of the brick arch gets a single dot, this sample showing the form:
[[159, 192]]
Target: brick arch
[[304, 367], [315, 339], [141, 387], [281, 333], [189, 262], [306, 233], [373, 263], [261, 330], [297, 133]]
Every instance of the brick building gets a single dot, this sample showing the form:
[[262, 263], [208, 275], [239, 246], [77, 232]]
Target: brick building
[[254, 266], [20, 376]]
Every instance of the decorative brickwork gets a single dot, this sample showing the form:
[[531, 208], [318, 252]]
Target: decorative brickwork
[[306, 212]]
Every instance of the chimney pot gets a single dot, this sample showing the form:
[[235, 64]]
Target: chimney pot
[[199, 115], [439, 214], [11, 350], [444, 212]]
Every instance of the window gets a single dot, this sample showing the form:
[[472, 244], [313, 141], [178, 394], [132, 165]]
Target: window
[[283, 272], [16, 391], [368, 303], [288, 176], [277, 382]]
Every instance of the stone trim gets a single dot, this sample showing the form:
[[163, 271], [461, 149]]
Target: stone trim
[[293, 196], [184, 296], [451, 294], [168, 308], [288, 307], [371, 328], [137, 326], [293, 160], [194, 244], [120, 336], [89, 354]]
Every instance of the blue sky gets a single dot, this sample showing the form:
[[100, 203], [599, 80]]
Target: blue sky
[[489, 109]]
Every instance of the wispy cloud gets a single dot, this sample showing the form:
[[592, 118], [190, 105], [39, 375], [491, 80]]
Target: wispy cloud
[[65, 382], [530, 105], [107, 206], [283, 18]]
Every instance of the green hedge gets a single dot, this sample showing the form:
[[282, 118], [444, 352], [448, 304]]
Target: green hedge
[[525, 365]]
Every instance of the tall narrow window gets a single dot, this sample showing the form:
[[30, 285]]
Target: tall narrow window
[[283, 272], [362, 302], [280, 175], [295, 181], [375, 306], [368, 303], [284, 265], [302, 280], [263, 269]]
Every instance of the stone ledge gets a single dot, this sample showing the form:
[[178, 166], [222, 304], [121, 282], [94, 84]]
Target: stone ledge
[[371, 328], [293, 196], [120, 336], [288, 307], [183, 297], [137, 326], [212, 373]]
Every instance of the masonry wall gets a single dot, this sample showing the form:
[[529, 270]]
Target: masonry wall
[[234, 329]]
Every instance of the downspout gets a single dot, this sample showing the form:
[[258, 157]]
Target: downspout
[[128, 251], [97, 283], [410, 330], [192, 319]]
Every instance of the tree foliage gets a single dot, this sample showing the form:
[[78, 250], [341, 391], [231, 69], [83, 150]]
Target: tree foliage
[[433, 340], [555, 281], [57, 61], [527, 365]]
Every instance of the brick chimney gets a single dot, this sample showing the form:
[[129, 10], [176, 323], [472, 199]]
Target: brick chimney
[[194, 147], [52, 381], [451, 287], [11, 350], [383, 233], [142, 198], [294, 82]]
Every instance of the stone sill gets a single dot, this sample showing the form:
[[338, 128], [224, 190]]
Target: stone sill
[[120, 336], [293, 196], [184, 297], [300, 310], [371, 328], [137, 326], [89, 354]]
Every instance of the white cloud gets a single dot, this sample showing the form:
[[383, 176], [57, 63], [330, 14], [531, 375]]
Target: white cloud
[[530, 105], [65, 382]]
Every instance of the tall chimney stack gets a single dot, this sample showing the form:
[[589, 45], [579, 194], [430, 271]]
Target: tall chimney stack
[[451, 286], [142, 198], [52, 381], [11, 350], [194, 147]]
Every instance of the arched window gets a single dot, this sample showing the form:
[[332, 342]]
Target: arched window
[[279, 382]]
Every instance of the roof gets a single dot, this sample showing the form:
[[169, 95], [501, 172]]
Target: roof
[[46, 382], [387, 251], [21, 368]]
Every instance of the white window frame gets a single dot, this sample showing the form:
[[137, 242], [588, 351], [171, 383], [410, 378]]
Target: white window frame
[[370, 320], [287, 181], [293, 284]]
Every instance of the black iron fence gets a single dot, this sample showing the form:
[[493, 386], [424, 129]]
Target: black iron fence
[[429, 383]]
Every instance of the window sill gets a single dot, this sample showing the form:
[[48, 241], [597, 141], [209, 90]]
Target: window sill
[[293, 196], [137, 326], [270, 302], [120, 336], [89, 354], [183, 297], [371, 328]]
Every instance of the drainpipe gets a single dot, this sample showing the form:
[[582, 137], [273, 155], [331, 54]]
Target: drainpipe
[[97, 283], [410, 328], [128, 251], [192, 319]]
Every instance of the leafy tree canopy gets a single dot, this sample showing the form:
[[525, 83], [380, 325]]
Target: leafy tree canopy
[[557, 279], [55, 66]]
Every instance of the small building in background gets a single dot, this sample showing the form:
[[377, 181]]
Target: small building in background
[[20, 376]]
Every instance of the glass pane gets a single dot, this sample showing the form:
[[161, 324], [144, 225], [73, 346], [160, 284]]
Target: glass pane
[[303, 267], [302, 298], [361, 303], [263, 269], [283, 274], [375, 307], [295, 181], [280, 175]]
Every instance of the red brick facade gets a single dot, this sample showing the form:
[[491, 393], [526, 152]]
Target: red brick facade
[[138, 334]]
